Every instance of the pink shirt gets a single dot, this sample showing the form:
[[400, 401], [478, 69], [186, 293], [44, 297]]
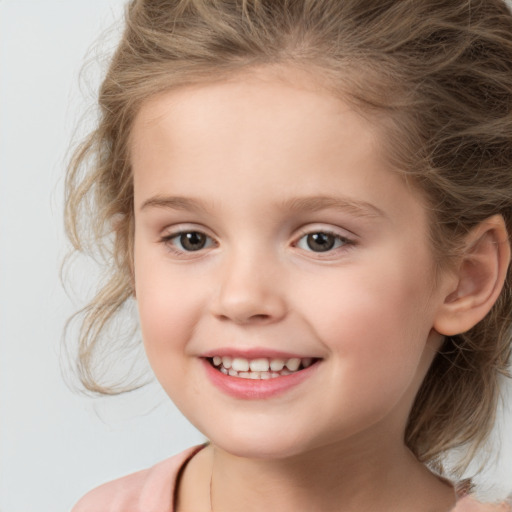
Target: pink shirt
[[152, 490]]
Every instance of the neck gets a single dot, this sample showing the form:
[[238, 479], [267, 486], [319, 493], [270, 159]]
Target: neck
[[371, 478]]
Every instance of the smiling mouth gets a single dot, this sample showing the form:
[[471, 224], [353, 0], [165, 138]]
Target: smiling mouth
[[261, 368]]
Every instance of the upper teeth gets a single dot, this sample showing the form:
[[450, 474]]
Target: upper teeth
[[262, 364]]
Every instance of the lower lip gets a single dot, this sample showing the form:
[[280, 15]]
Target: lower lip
[[256, 389]]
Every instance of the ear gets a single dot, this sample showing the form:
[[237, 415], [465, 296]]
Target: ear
[[478, 280]]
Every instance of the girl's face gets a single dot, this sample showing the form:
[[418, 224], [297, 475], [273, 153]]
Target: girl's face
[[270, 231]]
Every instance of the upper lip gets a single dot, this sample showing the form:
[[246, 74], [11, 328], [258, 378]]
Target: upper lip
[[253, 353]]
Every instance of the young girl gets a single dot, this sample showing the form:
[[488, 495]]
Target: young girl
[[309, 202]]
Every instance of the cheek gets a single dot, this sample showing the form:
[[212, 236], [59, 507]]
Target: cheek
[[169, 306], [377, 323], [168, 315]]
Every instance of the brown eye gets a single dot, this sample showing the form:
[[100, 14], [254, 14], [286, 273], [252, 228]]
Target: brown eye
[[321, 241], [193, 241], [189, 241]]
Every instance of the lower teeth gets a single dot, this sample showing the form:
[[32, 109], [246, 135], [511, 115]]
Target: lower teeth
[[253, 375]]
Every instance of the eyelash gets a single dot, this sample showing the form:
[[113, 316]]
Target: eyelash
[[340, 242]]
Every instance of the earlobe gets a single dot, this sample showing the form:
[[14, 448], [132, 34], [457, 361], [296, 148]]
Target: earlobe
[[478, 280]]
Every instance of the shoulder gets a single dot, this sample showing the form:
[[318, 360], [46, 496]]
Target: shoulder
[[147, 490], [469, 504], [122, 495]]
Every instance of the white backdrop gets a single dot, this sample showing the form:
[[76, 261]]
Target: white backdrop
[[54, 444]]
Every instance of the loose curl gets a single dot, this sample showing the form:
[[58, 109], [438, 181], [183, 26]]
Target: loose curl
[[434, 76]]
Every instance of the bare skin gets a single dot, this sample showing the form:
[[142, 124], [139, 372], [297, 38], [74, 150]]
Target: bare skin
[[291, 486]]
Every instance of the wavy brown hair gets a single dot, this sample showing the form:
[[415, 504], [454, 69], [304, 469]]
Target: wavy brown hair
[[435, 76]]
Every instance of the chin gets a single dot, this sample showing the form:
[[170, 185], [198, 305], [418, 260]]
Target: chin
[[261, 443], [258, 450]]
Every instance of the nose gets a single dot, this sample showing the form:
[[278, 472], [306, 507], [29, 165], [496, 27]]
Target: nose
[[250, 290]]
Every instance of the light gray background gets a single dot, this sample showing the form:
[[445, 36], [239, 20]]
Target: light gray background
[[54, 444]]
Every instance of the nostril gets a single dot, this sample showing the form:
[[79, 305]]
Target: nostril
[[242, 319], [259, 317]]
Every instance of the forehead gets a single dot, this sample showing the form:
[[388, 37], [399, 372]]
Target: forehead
[[256, 97], [270, 108], [262, 128], [280, 96]]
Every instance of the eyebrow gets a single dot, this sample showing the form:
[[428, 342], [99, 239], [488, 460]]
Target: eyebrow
[[174, 203], [318, 203], [297, 204]]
